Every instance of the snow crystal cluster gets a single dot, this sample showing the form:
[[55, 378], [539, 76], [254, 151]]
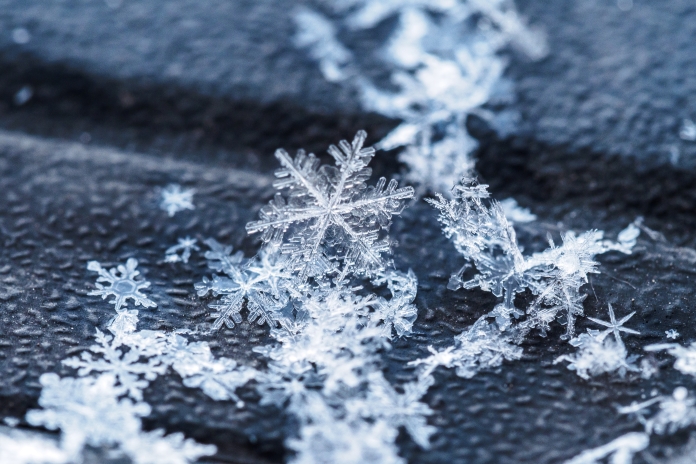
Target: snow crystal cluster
[[443, 60]]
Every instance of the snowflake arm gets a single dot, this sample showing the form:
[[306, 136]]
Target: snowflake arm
[[122, 284]]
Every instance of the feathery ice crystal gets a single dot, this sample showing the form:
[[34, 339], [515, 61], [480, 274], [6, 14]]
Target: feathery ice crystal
[[443, 58], [483, 235], [175, 199], [329, 214]]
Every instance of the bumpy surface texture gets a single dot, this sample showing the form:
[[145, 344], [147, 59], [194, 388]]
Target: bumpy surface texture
[[195, 95]]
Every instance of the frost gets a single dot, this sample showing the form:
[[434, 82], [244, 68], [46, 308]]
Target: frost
[[675, 412], [443, 60], [255, 282], [329, 214], [122, 284], [599, 354], [174, 199], [686, 356], [672, 334], [515, 213], [398, 313], [619, 451], [185, 245], [482, 346]]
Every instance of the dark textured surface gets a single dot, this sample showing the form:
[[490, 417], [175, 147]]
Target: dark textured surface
[[217, 85]]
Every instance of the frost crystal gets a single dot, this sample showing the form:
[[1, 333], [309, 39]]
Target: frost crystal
[[329, 214], [254, 281], [672, 334], [443, 58], [482, 346], [515, 213], [620, 450], [675, 412], [185, 245], [174, 199], [686, 356], [483, 235], [21, 447]]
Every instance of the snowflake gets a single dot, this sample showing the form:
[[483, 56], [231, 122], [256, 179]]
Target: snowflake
[[398, 410], [482, 346], [174, 199], [686, 356], [675, 412], [329, 214], [218, 378], [122, 284], [619, 451], [598, 354], [87, 410], [185, 245], [672, 334], [256, 282], [125, 367]]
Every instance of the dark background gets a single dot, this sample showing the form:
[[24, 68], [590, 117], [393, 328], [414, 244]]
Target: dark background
[[130, 96]]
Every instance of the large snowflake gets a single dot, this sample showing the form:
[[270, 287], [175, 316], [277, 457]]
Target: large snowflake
[[329, 214], [122, 284]]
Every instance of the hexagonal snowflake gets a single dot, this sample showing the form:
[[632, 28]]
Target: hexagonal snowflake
[[122, 284]]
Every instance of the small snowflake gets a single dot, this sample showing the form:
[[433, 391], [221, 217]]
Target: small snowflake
[[174, 199], [122, 284], [672, 334], [185, 245], [675, 412]]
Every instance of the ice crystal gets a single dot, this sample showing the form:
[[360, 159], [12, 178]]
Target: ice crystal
[[686, 356], [619, 451], [672, 334], [598, 354], [174, 199], [398, 313], [184, 246], [329, 214], [482, 346], [255, 281], [444, 61], [483, 235], [675, 412], [122, 284]]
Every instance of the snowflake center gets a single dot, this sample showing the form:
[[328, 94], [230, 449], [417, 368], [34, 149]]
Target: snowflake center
[[124, 287]]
